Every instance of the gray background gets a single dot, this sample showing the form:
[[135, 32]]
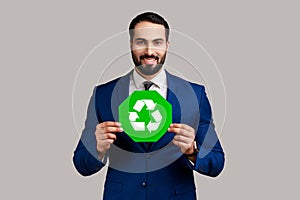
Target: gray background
[[254, 43]]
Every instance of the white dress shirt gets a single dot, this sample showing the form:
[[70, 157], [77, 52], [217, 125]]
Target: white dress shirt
[[159, 83]]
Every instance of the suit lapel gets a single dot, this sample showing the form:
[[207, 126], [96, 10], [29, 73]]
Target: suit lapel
[[120, 93]]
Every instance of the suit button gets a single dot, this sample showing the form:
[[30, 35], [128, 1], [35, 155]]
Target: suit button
[[144, 184]]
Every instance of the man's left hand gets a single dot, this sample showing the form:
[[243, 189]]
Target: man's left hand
[[184, 137]]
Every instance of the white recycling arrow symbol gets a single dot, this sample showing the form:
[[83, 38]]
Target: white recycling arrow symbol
[[133, 116], [140, 126]]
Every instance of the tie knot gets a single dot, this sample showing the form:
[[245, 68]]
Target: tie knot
[[147, 84]]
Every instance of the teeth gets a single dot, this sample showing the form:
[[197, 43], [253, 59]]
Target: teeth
[[149, 60]]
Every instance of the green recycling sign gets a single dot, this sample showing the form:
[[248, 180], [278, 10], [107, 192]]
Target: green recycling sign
[[145, 116]]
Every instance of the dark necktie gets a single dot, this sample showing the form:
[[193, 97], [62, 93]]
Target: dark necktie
[[147, 85]]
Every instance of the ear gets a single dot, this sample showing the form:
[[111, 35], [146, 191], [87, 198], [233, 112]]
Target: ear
[[168, 43], [130, 42]]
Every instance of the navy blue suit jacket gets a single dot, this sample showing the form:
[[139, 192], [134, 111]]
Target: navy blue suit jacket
[[161, 172]]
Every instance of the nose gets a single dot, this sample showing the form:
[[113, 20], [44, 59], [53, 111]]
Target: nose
[[149, 50]]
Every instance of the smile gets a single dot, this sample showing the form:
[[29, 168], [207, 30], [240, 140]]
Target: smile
[[149, 61]]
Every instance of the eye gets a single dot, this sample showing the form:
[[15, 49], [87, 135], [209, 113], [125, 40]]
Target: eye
[[158, 43], [140, 42]]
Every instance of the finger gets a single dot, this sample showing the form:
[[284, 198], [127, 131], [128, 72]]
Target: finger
[[183, 139], [109, 141], [105, 144], [184, 132], [178, 131], [107, 136], [110, 129], [103, 147], [180, 144], [101, 133], [183, 126], [109, 123]]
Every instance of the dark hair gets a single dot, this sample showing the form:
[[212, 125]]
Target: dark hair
[[149, 17]]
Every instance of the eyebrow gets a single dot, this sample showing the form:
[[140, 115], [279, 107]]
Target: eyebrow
[[152, 40]]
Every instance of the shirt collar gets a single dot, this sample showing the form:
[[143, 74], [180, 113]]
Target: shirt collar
[[159, 80]]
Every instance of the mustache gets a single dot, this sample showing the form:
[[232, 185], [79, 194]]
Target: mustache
[[147, 56]]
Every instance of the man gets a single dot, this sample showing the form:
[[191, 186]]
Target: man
[[138, 174]]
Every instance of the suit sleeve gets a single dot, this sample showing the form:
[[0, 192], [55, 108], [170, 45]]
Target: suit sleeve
[[210, 159], [85, 157]]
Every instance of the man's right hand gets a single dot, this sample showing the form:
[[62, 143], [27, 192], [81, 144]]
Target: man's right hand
[[105, 136]]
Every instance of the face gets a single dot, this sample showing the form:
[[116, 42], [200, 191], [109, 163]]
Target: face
[[149, 48]]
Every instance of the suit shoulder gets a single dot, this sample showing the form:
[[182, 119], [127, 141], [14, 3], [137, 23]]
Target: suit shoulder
[[195, 86], [108, 85]]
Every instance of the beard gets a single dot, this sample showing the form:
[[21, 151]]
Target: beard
[[145, 69]]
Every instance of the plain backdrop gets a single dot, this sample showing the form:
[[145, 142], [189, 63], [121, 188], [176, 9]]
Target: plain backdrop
[[254, 43]]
